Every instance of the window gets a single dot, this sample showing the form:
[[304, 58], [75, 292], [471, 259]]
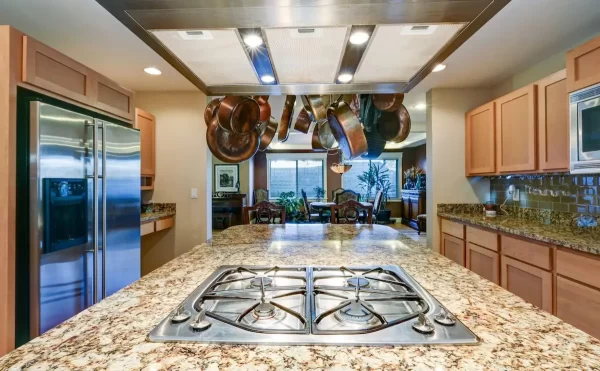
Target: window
[[350, 180], [295, 172]]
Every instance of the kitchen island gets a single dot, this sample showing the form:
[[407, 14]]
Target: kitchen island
[[112, 334]]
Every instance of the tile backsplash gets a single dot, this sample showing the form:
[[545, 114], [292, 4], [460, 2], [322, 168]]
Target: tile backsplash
[[558, 192]]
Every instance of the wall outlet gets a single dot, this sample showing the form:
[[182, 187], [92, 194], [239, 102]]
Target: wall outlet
[[194, 192]]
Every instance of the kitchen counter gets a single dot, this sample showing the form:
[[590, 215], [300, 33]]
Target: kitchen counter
[[535, 229], [156, 211], [112, 334]]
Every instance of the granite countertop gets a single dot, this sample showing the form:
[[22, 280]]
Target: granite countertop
[[156, 211], [112, 334], [535, 229]]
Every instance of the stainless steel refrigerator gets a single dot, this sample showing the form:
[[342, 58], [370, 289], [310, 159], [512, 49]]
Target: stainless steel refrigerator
[[84, 212]]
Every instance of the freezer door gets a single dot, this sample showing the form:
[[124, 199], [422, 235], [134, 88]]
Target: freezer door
[[60, 157], [121, 176]]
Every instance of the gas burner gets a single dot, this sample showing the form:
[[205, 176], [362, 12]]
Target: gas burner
[[354, 312], [264, 311], [266, 281], [361, 281]]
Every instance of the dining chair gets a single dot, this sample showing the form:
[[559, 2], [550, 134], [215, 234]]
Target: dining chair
[[377, 204], [261, 195], [335, 192], [350, 212], [264, 213], [308, 214], [346, 195]]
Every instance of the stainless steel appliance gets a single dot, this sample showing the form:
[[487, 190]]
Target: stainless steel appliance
[[84, 212], [311, 305], [585, 130]]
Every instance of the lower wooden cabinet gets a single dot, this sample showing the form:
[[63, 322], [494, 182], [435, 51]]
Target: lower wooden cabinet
[[484, 262], [453, 248], [157, 225], [413, 205], [578, 305], [530, 283]]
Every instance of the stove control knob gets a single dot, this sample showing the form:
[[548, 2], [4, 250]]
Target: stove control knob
[[423, 325], [200, 323], [444, 318], [180, 315]]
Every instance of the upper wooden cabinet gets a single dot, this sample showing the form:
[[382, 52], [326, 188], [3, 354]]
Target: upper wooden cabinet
[[516, 131], [553, 123], [50, 70], [583, 65], [146, 123], [480, 147]]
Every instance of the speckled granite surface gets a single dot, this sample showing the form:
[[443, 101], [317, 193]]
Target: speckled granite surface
[[155, 211], [112, 334], [551, 226]]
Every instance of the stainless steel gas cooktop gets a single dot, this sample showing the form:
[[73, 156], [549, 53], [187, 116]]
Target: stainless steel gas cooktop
[[311, 305]]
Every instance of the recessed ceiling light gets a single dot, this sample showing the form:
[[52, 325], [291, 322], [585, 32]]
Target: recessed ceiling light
[[253, 40], [152, 71], [345, 77], [439, 67], [359, 37], [420, 106], [267, 79]]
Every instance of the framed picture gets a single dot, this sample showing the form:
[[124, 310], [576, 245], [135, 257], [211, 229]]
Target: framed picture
[[227, 178]]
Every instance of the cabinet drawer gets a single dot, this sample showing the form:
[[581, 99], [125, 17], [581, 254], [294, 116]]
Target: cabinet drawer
[[146, 228], [529, 252], [483, 238], [578, 305], [530, 283], [580, 267], [453, 228], [454, 249], [164, 224], [484, 262]]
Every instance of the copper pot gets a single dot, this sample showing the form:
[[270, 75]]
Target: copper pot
[[394, 126], [388, 102], [303, 121], [286, 118], [268, 130], [316, 105], [230, 147], [261, 99], [325, 135], [347, 130], [264, 107], [211, 109], [238, 114], [315, 142]]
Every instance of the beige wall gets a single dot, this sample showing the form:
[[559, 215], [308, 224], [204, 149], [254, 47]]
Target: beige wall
[[446, 181], [183, 162]]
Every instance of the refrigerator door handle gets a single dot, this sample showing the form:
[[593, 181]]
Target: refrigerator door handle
[[95, 210], [104, 211]]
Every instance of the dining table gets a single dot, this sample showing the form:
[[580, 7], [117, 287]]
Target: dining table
[[321, 207]]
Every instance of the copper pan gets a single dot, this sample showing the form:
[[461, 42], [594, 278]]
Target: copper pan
[[325, 135], [286, 118], [347, 130], [264, 107], [268, 130], [211, 110], [388, 102], [238, 114], [230, 147], [303, 121], [316, 105], [316, 144], [261, 99], [394, 126]]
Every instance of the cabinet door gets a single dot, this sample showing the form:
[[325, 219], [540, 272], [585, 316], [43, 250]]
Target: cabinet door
[[146, 123], [484, 262], [582, 65], [480, 150], [553, 122], [414, 208], [578, 305], [113, 98], [453, 248], [405, 208], [530, 283], [516, 131]]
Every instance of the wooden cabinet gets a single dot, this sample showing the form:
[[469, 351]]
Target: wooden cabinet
[[484, 262], [480, 142], [578, 305], [146, 123], [413, 205], [553, 123], [530, 283], [111, 97], [583, 65], [516, 131], [482, 238], [453, 228], [157, 225], [530, 252], [453, 248]]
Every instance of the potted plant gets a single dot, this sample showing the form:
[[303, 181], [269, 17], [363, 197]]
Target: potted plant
[[377, 177], [320, 193], [291, 204]]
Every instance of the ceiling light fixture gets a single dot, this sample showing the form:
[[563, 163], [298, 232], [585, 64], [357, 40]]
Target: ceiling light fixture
[[152, 71], [420, 106], [345, 77], [253, 40], [359, 38], [439, 67], [267, 79]]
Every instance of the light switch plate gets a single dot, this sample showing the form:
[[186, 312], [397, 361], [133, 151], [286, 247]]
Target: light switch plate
[[194, 192]]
